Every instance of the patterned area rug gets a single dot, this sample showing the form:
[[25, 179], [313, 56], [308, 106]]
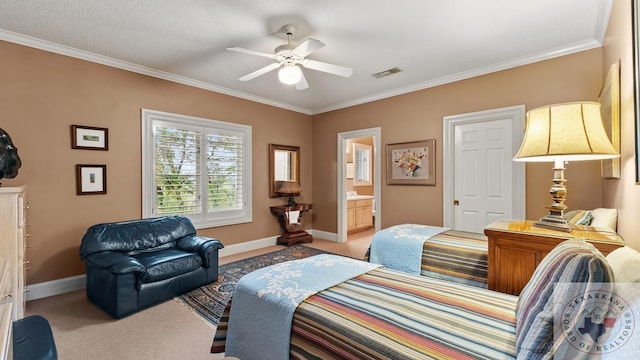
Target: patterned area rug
[[210, 300]]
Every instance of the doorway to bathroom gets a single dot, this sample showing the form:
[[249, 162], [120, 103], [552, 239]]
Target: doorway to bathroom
[[358, 183]]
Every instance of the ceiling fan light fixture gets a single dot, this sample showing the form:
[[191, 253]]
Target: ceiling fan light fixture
[[290, 74]]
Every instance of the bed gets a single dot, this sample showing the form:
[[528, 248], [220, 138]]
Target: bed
[[458, 256], [384, 313]]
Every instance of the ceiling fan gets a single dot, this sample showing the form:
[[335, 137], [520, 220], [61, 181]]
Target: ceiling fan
[[289, 56]]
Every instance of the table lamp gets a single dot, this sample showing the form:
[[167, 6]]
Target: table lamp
[[290, 188], [559, 133]]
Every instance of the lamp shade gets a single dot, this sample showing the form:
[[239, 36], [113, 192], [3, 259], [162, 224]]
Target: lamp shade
[[290, 74], [569, 131], [289, 187]]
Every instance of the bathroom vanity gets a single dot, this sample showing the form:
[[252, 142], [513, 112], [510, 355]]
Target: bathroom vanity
[[359, 213]]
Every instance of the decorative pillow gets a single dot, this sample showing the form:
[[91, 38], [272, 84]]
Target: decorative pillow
[[579, 217], [572, 261], [605, 218], [625, 263]]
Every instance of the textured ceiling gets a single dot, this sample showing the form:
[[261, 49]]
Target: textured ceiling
[[432, 41]]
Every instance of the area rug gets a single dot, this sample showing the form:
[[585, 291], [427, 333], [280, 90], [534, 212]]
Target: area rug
[[210, 300]]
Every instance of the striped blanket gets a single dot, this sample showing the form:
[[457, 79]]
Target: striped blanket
[[387, 314], [453, 255], [270, 296]]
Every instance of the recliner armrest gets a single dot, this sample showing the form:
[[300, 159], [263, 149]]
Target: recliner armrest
[[200, 244], [117, 263]]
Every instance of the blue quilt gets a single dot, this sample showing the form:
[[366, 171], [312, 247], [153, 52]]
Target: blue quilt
[[399, 247], [264, 302]]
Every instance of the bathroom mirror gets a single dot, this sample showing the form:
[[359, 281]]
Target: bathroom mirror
[[284, 165], [362, 164]]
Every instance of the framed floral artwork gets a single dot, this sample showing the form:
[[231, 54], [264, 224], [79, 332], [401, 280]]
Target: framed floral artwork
[[411, 163]]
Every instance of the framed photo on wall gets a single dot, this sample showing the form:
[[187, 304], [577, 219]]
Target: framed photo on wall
[[610, 111], [89, 138], [636, 79], [91, 179], [349, 170], [411, 163]]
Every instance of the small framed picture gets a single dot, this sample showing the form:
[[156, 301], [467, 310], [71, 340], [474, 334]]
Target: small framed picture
[[91, 179], [349, 170], [89, 138]]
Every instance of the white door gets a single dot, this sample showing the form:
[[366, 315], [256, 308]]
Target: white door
[[482, 190], [486, 184]]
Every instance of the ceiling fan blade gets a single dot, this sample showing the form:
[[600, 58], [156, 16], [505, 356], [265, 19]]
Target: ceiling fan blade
[[260, 71], [328, 68], [307, 47], [251, 52], [302, 84]]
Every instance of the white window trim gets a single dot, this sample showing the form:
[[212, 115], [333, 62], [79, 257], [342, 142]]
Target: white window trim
[[230, 217]]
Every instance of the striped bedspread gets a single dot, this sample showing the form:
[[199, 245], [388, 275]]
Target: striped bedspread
[[454, 255], [459, 256], [386, 314]]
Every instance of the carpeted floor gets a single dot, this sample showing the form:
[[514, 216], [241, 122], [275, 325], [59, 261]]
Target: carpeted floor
[[209, 301]]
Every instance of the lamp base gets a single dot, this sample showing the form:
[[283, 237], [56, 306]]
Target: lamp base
[[554, 222], [292, 201], [555, 218]]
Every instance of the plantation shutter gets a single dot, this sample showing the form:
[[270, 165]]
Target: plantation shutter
[[225, 157], [177, 171], [195, 167]]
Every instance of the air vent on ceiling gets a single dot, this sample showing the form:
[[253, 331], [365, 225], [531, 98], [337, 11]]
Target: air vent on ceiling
[[387, 72]]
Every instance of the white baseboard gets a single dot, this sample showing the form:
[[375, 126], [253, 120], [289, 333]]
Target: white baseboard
[[247, 246], [73, 283], [55, 287], [324, 235]]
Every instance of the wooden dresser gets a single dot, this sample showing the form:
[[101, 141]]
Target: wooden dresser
[[516, 247], [12, 262]]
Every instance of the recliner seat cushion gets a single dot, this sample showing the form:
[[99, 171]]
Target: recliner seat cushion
[[167, 263]]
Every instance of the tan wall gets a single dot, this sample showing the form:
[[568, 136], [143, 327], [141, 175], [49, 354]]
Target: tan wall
[[623, 194], [42, 94], [418, 116]]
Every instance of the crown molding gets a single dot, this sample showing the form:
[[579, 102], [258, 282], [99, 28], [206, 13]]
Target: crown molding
[[124, 65]]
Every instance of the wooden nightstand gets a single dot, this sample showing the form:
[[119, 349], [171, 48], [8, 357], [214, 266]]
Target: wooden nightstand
[[293, 232], [516, 247]]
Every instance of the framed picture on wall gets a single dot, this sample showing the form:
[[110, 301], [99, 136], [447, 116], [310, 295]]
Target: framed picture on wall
[[349, 170], [91, 179], [636, 80], [610, 111], [89, 138], [411, 163]]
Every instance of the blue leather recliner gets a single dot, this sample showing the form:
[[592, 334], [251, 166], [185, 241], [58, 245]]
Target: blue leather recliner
[[132, 265]]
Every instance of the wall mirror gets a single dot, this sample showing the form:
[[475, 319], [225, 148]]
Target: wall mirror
[[362, 164], [284, 165]]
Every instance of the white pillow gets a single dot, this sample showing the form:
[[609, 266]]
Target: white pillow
[[605, 218], [625, 263]]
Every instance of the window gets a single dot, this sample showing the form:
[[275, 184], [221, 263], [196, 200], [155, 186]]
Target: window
[[362, 155], [196, 167]]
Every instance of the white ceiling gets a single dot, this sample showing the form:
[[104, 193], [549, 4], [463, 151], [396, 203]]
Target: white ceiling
[[432, 41]]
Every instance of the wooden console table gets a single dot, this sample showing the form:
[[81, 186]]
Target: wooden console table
[[293, 232], [516, 247]]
